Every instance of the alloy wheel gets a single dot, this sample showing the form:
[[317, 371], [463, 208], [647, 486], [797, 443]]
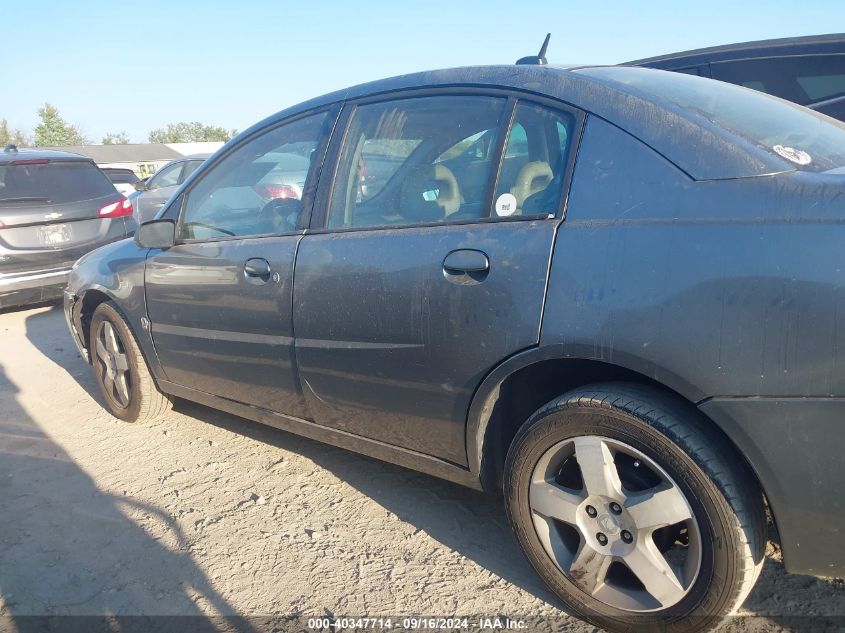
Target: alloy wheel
[[615, 523], [113, 365]]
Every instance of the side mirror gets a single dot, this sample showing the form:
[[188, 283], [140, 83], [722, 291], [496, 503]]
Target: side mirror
[[156, 234], [141, 185]]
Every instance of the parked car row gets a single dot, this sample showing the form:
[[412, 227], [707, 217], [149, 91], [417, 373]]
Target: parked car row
[[56, 206], [610, 293]]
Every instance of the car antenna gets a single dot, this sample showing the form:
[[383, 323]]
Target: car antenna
[[539, 59]]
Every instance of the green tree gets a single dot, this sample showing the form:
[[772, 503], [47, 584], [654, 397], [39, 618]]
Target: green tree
[[190, 132], [115, 138], [16, 136], [54, 131]]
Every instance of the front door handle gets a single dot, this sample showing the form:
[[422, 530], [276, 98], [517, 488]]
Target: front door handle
[[257, 267], [466, 266]]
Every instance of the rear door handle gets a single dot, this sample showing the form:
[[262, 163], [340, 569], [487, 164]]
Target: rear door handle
[[466, 267], [257, 267], [466, 261]]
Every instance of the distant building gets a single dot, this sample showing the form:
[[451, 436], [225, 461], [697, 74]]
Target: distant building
[[142, 158]]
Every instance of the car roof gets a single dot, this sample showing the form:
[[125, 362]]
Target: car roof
[[806, 45], [704, 151], [7, 156]]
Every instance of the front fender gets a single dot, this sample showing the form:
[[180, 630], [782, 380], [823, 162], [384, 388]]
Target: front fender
[[113, 273]]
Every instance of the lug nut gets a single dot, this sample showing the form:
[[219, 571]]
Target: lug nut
[[626, 536], [601, 538], [591, 512], [615, 508]]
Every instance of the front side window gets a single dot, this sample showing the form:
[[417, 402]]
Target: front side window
[[257, 189], [167, 177], [534, 164], [416, 161]]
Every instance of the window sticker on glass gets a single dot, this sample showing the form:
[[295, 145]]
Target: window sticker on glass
[[797, 156], [506, 205]]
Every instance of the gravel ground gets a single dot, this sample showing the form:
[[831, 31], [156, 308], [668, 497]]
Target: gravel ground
[[204, 513]]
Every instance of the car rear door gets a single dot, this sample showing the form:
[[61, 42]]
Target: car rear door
[[414, 285], [219, 301], [53, 211]]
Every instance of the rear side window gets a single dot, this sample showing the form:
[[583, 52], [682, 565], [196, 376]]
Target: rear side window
[[805, 80], [56, 182], [534, 164], [416, 161]]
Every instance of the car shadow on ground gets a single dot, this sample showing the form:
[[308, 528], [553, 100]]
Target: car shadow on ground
[[40, 331], [469, 522], [70, 549]]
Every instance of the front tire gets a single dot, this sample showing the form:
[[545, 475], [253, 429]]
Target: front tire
[[634, 511], [121, 372]]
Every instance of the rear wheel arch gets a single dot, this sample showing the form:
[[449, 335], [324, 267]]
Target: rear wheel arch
[[511, 394]]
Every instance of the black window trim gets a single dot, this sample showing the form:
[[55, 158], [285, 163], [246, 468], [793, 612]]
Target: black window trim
[[309, 196], [331, 163]]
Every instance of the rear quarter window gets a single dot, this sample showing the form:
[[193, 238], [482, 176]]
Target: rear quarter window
[[57, 182]]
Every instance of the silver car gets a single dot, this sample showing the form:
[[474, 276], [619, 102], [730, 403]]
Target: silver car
[[152, 194], [54, 208]]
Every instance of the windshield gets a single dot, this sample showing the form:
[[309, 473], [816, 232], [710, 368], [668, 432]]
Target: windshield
[[804, 139]]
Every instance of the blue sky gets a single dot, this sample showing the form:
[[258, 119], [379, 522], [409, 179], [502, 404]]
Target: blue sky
[[114, 66]]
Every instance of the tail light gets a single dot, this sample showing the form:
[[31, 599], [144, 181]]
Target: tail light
[[116, 209], [277, 192]]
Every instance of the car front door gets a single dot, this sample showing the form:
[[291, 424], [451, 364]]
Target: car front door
[[429, 268], [219, 302], [158, 190]]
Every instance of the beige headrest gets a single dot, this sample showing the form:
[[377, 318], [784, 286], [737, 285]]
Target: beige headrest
[[532, 178], [449, 196]]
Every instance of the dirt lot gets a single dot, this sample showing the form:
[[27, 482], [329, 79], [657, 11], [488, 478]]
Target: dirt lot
[[206, 513]]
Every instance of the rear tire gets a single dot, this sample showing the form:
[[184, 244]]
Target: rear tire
[[121, 372], [578, 480]]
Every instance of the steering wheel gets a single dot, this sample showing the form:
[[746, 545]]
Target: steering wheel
[[280, 215]]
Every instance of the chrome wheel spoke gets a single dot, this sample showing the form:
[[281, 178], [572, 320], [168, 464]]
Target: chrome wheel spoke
[[659, 507], [102, 352], [589, 568], [110, 337], [597, 468], [654, 571], [121, 388], [113, 364], [553, 502], [121, 362]]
